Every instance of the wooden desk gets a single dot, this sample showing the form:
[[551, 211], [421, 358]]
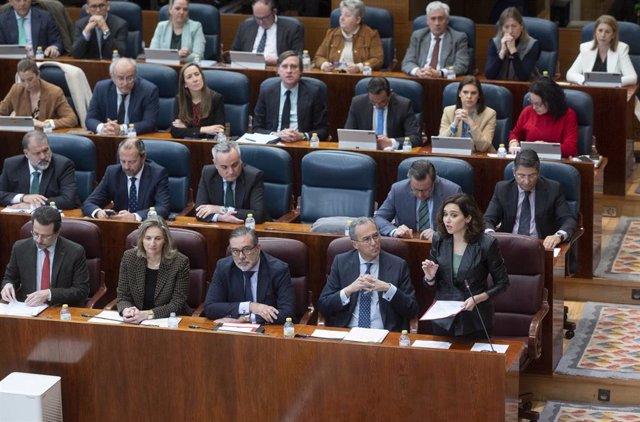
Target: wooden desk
[[112, 372]]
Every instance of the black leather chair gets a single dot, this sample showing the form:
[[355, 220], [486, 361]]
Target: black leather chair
[[234, 88], [453, 169], [209, 17], [166, 79], [82, 151]]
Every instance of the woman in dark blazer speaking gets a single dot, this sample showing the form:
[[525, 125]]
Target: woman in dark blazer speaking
[[462, 256], [154, 276]]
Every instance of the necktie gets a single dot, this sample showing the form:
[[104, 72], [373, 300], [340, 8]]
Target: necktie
[[121, 109], [35, 182], [22, 34], [248, 295], [364, 313], [133, 196], [99, 40], [228, 196], [525, 215], [423, 216], [45, 279], [286, 111], [380, 121], [435, 54], [263, 42]]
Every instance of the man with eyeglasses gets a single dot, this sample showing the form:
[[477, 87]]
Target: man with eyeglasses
[[268, 34], [38, 177], [123, 100], [46, 268], [530, 204], [412, 204], [230, 190], [99, 33], [31, 27], [250, 285], [368, 287]]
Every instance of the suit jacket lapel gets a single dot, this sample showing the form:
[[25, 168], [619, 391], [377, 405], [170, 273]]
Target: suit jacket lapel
[[413, 203], [31, 264], [352, 272], [163, 277], [304, 101], [24, 182], [57, 261], [240, 190], [121, 194], [46, 177], [447, 253], [468, 257], [263, 279], [446, 47], [542, 196], [217, 190]]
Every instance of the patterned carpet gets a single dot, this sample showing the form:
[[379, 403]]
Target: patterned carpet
[[621, 258], [573, 412], [606, 344]]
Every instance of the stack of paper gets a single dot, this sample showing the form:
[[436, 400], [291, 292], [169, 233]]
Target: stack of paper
[[329, 334], [239, 327], [366, 335], [15, 308]]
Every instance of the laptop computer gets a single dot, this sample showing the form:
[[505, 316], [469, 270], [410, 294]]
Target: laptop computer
[[357, 139], [247, 60], [16, 123], [604, 79], [161, 56], [545, 150], [12, 51], [451, 145]]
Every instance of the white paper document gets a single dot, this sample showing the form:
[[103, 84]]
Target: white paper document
[[257, 138], [334, 335], [366, 335], [15, 308], [107, 317], [10, 210], [159, 322], [486, 347], [432, 344], [442, 309]]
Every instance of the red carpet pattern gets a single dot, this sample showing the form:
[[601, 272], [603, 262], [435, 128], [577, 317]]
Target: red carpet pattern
[[582, 412], [627, 260]]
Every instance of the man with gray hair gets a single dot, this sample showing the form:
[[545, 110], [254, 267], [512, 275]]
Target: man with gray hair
[[435, 48], [38, 177], [123, 100], [368, 287], [229, 190]]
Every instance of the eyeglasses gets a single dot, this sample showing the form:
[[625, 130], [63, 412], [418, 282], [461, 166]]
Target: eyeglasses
[[125, 78], [262, 18], [246, 251], [99, 6], [368, 239], [531, 176], [43, 237]]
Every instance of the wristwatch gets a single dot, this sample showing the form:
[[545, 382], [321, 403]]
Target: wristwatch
[[245, 318], [224, 210]]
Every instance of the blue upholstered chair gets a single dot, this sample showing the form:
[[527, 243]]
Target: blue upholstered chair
[[132, 13], [176, 158], [337, 183], [166, 79], [498, 98], [628, 32], [382, 21], [55, 75], [209, 17], [277, 166], [461, 24], [234, 88], [453, 169], [82, 152], [403, 87], [546, 32]]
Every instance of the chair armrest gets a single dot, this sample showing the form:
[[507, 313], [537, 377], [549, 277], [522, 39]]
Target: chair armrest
[[289, 217], [111, 305], [198, 311], [535, 328], [102, 290], [189, 207], [310, 309]]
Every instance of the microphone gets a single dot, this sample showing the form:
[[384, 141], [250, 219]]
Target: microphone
[[484, 327]]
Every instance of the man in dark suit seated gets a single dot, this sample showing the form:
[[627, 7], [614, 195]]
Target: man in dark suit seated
[[46, 268], [134, 185], [122, 100], [250, 285], [38, 177], [413, 203], [368, 287], [267, 34], [389, 114], [99, 33], [31, 27], [230, 190], [294, 109], [530, 204]]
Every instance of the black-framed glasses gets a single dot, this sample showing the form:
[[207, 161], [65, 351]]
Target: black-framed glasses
[[44, 237], [371, 238], [246, 251]]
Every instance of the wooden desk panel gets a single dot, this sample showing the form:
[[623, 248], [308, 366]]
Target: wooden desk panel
[[142, 373]]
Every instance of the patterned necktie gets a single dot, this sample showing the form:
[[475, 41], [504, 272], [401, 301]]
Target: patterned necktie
[[434, 56], [380, 121], [121, 109], [99, 40], [423, 216], [263, 42], [35, 182], [229, 200], [364, 313], [45, 278], [525, 215], [286, 111], [248, 295], [133, 196], [22, 33]]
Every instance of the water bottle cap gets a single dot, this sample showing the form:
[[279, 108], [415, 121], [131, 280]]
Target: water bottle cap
[[289, 319], [172, 315], [65, 306], [250, 215], [305, 51], [405, 332], [315, 134]]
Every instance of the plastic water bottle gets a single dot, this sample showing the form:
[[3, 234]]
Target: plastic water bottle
[[197, 60], [406, 145], [451, 72], [47, 127], [39, 53], [115, 55], [65, 313], [289, 328], [131, 131], [250, 222], [306, 61], [173, 321], [315, 141], [346, 228], [366, 69], [502, 152], [152, 212], [221, 137], [405, 341]]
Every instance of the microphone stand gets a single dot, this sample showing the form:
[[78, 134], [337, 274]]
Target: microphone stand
[[484, 327]]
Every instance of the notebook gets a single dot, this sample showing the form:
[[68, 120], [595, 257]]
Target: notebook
[[357, 139], [12, 51], [451, 145], [161, 56], [16, 123], [545, 150], [247, 60], [604, 79]]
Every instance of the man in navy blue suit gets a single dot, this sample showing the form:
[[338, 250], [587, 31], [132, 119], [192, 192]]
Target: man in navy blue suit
[[134, 185], [122, 100], [31, 27]]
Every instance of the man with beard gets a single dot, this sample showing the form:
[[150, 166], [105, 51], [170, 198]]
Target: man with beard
[[38, 177]]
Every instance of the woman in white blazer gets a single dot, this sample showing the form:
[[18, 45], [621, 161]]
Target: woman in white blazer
[[179, 32], [604, 54]]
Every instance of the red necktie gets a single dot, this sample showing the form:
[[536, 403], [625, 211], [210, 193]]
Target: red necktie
[[45, 280], [435, 54]]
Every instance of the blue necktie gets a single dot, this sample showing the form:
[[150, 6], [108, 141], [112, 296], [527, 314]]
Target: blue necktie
[[525, 215], [133, 196], [364, 314], [248, 295], [263, 42], [380, 122]]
